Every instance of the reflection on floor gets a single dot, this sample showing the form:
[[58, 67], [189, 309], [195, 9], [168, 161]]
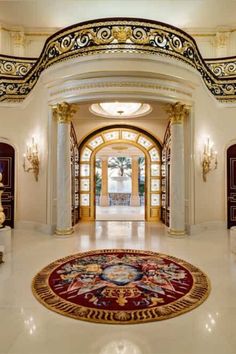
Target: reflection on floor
[[121, 213], [26, 327]]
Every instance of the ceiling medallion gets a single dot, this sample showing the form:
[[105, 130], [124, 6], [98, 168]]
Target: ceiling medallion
[[120, 109]]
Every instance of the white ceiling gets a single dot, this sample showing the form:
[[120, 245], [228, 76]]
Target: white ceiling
[[62, 13], [158, 113]]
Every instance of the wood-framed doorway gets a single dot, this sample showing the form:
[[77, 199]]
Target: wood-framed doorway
[[128, 135]]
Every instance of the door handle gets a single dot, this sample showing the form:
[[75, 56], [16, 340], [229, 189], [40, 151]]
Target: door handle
[[231, 199]]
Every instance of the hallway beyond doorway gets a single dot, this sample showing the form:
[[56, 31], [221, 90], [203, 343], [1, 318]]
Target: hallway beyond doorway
[[120, 212]]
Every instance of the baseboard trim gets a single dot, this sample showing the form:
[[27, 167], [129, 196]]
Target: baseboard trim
[[209, 225], [30, 225]]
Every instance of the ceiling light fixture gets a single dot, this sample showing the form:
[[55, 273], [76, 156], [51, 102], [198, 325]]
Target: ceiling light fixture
[[120, 109]]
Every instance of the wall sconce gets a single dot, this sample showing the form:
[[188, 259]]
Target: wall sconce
[[31, 159], [209, 159]]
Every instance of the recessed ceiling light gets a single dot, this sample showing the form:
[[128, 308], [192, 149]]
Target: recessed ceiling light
[[120, 109]]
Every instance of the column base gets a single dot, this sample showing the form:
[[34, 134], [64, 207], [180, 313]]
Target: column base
[[134, 200], [177, 233], [62, 232], [104, 200]]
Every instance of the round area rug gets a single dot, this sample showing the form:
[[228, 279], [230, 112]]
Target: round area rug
[[120, 286]]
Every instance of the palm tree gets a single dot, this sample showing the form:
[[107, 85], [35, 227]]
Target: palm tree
[[98, 182], [121, 163], [141, 181], [98, 177]]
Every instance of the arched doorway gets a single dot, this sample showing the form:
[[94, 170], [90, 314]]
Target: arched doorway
[[151, 149], [7, 168], [120, 183], [231, 186]]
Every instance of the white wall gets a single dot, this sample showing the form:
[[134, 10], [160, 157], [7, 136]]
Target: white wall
[[18, 125], [219, 123]]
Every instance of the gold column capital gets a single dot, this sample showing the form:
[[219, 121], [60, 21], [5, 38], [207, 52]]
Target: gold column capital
[[177, 112], [63, 112], [18, 38]]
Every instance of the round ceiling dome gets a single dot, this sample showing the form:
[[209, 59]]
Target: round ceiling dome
[[120, 109]]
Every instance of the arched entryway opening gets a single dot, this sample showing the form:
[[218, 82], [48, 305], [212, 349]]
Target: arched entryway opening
[[115, 135], [120, 182], [7, 169]]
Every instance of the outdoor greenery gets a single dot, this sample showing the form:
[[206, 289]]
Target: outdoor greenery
[[141, 182], [98, 182], [124, 166]]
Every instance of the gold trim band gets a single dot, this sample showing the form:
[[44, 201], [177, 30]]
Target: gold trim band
[[175, 232], [67, 231]]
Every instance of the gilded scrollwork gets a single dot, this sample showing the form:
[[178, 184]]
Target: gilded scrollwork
[[18, 77], [223, 67], [177, 112], [63, 112], [15, 67]]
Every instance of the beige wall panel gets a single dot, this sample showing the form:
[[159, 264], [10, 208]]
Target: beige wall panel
[[18, 125]]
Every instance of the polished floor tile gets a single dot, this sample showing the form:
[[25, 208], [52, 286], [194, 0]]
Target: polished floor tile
[[120, 212], [26, 327]]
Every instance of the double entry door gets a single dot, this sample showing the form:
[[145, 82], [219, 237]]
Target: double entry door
[[7, 168]]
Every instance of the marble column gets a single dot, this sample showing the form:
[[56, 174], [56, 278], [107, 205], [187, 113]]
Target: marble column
[[63, 113], [134, 200], [177, 112], [104, 197]]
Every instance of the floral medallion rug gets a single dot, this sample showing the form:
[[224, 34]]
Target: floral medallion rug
[[120, 286]]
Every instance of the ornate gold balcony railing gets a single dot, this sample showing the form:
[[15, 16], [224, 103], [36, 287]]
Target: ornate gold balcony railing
[[18, 76], [223, 67], [15, 67]]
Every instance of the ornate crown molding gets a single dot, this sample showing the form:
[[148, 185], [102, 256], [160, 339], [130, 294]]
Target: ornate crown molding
[[63, 112], [110, 36]]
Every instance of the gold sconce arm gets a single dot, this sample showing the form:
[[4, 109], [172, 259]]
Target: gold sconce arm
[[209, 159], [31, 159]]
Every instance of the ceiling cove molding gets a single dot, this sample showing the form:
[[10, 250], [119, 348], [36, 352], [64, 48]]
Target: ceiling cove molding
[[18, 76], [136, 88]]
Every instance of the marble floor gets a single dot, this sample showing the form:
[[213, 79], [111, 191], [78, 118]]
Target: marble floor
[[120, 213], [26, 327]]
